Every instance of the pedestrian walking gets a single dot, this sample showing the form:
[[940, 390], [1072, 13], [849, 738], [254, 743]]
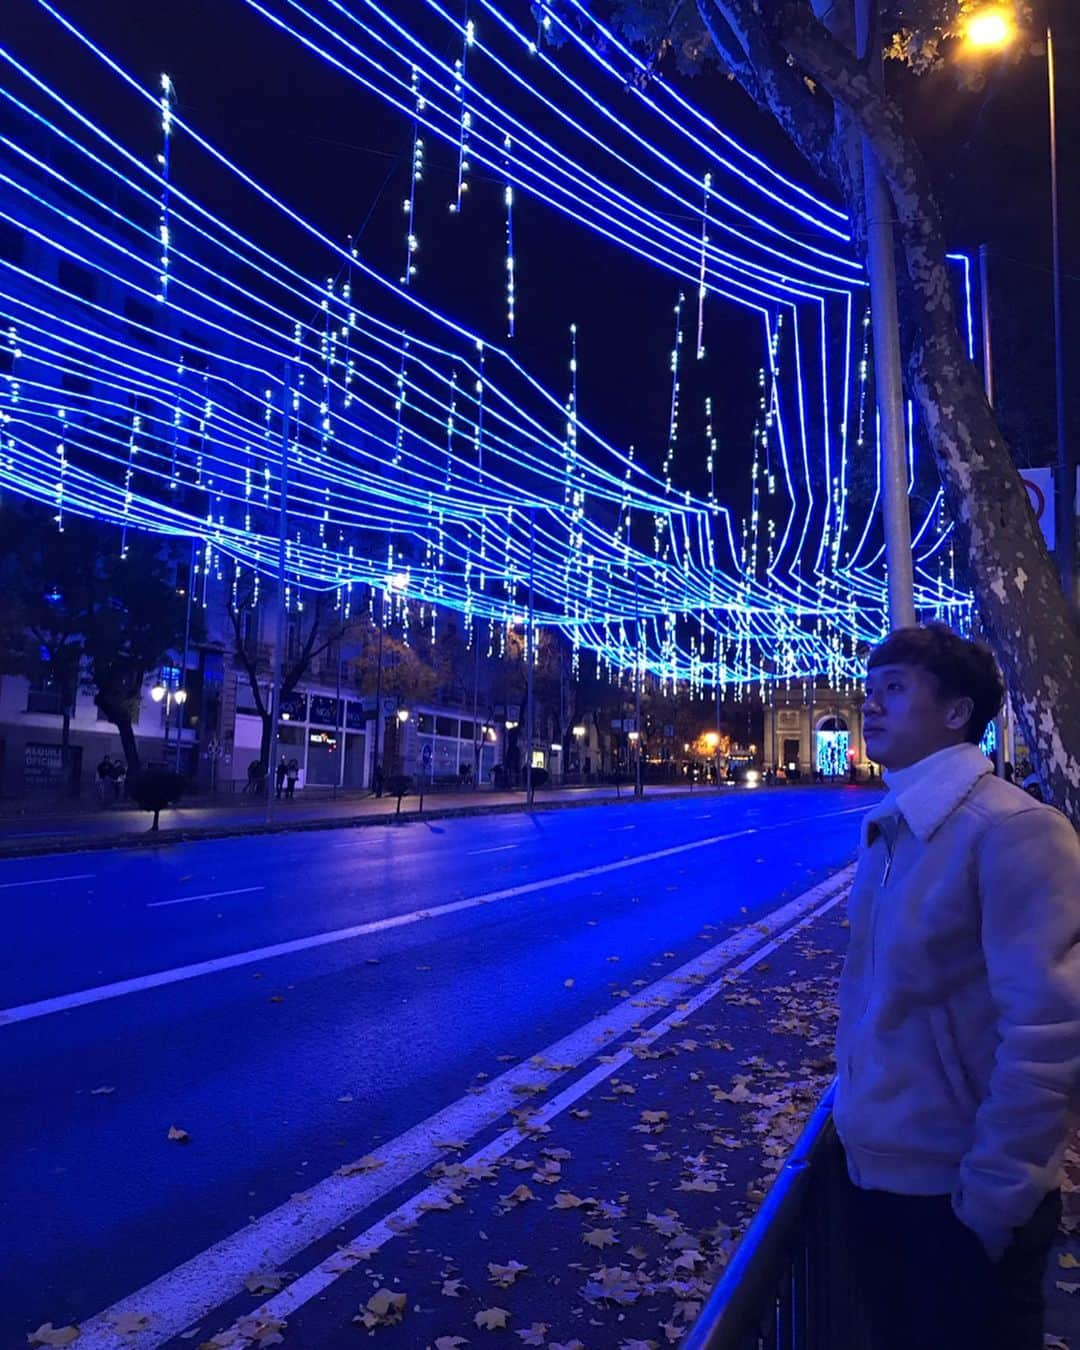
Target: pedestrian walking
[[104, 778], [958, 1042], [118, 777], [280, 776], [292, 772], [377, 781]]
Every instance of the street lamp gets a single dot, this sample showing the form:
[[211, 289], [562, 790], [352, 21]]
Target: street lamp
[[987, 30], [162, 692], [990, 29]]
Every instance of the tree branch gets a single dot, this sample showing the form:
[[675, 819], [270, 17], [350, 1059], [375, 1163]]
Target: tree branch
[[765, 74]]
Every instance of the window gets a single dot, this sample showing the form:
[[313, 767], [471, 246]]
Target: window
[[12, 243], [76, 279], [446, 726], [466, 732], [425, 724], [43, 696], [138, 314], [326, 711]]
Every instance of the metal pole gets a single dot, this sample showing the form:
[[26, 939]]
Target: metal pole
[[187, 643], [375, 760], [639, 788], [988, 385], [529, 659], [1066, 460], [888, 380], [279, 628], [340, 718], [478, 739]]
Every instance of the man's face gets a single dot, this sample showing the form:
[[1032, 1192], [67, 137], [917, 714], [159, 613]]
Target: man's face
[[905, 717]]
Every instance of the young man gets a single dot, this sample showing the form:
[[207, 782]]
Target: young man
[[959, 1038]]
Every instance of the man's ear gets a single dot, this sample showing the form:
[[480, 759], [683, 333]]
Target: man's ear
[[960, 713]]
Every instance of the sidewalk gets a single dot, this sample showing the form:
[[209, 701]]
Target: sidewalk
[[32, 830]]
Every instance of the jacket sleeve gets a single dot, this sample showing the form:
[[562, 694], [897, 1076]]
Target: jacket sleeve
[[1029, 886]]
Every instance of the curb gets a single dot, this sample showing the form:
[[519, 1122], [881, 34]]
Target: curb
[[148, 839]]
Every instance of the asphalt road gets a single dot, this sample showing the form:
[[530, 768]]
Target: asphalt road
[[147, 990]]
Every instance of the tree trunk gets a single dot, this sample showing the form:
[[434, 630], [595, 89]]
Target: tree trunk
[[118, 714], [999, 541], [265, 739]]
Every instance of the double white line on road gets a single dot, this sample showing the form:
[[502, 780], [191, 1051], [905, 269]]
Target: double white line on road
[[28, 1012], [189, 1293]]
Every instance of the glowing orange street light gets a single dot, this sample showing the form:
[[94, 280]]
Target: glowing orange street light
[[990, 29]]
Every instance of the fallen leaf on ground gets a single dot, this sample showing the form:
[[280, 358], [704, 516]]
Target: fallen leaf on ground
[[261, 1331], [1068, 1262], [491, 1319], [599, 1237], [536, 1334], [128, 1323], [1067, 1288], [581, 1113], [368, 1163], [101, 1091], [504, 1276], [266, 1281], [178, 1136], [451, 1288], [383, 1309], [568, 984], [450, 1342], [517, 1196], [47, 1334]]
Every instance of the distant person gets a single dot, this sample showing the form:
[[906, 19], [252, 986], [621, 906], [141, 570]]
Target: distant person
[[104, 777], [957, 1045], [280, 775], [377, 781], [118, 777], [292, 773]]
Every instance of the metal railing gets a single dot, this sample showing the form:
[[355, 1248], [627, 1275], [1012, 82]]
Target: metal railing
[[789, 1285]]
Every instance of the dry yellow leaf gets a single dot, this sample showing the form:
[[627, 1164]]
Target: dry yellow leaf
[[384, 1308], [1068, 1262], [491, 1319], [128, 1323], [504, 1276], [178, 1136], [47, 1334], [368, 1163], [599, 1237], [450, 1342]]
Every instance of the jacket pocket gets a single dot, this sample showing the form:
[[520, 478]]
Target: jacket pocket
[[948, 1052]]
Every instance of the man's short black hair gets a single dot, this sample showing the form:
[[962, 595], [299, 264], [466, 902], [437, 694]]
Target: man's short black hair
[[962, 667]]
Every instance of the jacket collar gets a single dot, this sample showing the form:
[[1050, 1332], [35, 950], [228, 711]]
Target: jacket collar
[[929, 801]]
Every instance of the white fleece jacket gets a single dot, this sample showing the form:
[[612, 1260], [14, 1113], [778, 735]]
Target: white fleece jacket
[[958, 1045]]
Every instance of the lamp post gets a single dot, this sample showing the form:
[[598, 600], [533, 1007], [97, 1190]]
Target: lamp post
[[169, 695], [990, 29]]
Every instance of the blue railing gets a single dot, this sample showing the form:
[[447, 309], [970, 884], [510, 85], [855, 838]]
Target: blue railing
[[789, 1285]]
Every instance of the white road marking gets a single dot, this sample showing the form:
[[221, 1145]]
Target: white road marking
[[498, 848], [28, 1012], [47, 881], [210, 895], [187, 1294]]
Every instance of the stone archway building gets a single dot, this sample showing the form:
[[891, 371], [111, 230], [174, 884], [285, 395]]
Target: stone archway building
[[796, 717]]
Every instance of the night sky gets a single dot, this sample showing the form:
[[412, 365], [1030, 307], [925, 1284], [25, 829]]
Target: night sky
[[342, 158]]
